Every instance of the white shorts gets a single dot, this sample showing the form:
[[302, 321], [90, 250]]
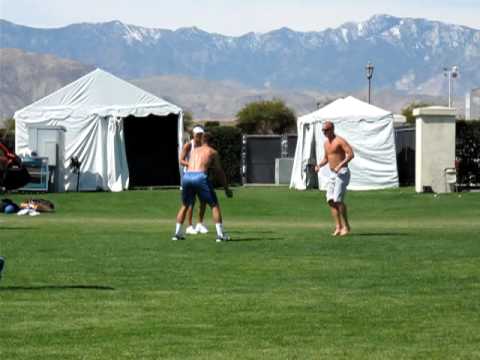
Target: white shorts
[[337, 185]]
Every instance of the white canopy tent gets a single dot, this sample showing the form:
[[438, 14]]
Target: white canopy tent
[[367, 128], [92, 110]]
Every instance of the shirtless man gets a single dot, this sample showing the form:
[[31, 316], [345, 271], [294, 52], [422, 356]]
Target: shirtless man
[[184, 157], [195, 182], [338, 154]]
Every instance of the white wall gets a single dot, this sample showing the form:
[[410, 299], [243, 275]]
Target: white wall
[[435, 147]]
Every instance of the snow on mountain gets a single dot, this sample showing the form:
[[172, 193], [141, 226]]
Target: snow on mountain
[[408, 54]]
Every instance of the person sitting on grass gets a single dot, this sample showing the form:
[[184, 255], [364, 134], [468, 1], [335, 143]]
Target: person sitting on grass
[[195, 182]]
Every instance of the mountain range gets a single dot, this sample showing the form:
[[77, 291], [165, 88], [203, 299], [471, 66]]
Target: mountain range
[[26, 77], [408, 54]]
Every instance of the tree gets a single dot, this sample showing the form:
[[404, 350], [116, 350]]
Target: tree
[[187, 120], [408, 110], [266, 117], [228, 142], [8, 133], [211, 124]]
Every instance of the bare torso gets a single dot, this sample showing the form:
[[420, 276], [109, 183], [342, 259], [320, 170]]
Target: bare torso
[[334, 150], [201, 158]]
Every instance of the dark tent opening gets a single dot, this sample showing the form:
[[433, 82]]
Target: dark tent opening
[[152, 150]]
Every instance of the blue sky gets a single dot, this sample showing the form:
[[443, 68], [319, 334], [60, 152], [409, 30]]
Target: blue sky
[[233, 17]]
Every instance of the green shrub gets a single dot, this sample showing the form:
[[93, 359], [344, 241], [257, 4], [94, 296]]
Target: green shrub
[[266, 117], [228, 142]]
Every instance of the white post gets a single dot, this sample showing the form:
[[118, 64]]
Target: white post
[[435, 147], [449, 89]]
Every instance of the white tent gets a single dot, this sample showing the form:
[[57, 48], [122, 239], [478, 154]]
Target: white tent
[[93, 110], [368, 129]]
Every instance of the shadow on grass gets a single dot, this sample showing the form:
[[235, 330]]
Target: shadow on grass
[[263, 235], [57, 287], [378, 234], [18, 228], [234, 239]]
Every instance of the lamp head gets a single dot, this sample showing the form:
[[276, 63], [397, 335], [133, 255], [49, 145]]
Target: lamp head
[[369, 70]]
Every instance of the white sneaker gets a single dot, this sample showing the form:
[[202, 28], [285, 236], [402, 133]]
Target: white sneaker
[[202, 229], [33, 212], [23, 212], [224, 237], [178, 237], [191, 231]]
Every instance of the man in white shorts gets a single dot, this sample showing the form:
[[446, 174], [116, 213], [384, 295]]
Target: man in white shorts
[[338, 154]]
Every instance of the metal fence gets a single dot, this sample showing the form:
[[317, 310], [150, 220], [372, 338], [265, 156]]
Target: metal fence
[[468, 154], [259, 153], [405, 145]]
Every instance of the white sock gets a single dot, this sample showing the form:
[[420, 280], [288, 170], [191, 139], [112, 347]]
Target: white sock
[[178, 229], [219, 227]]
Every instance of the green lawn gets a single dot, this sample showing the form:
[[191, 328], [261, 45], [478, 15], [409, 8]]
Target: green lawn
[[101, 279]]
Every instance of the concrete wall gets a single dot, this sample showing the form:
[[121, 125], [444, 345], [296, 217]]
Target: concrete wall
[[435, 147], [283, 170]]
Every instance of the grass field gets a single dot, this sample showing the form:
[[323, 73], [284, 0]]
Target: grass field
[[101, 279]]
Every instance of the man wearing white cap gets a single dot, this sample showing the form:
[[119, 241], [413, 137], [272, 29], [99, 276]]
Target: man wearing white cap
[[184, 157], [195, 182]]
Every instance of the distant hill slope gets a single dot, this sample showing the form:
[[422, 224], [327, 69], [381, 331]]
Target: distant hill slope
[[408, 54], [26, 77], [221, 100]]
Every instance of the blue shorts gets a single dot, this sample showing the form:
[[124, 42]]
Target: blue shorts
[[197, 183]]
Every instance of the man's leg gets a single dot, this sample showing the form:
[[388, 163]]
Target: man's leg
[[340, 188], [182, 213], [188, 199], [201, 228], [201, 212], [190, 215], [217, 214], [342, 211], [217, 219], [336, 217], [190, 228]]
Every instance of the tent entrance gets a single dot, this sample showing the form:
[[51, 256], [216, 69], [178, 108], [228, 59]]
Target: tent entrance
[[152, 150], [311, 176]]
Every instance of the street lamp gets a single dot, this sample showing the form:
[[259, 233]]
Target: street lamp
[[450, 74], [369, 71]]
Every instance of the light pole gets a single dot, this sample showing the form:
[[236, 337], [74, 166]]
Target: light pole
[[369, 72], [450, 74]]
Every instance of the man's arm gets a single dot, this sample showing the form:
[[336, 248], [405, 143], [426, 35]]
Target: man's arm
[[220, 174], [324, 161], [183, 154], [349, 155]]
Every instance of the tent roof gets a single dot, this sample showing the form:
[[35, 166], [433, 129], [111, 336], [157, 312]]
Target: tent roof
[[345, 108], [101, 93]]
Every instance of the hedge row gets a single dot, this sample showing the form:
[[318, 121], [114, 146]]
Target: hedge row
[[228, 142]]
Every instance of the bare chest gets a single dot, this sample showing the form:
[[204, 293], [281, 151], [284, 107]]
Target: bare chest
[[333, 148]]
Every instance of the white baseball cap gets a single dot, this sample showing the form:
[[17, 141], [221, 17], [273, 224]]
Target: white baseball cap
[[198, 130]]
